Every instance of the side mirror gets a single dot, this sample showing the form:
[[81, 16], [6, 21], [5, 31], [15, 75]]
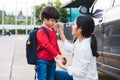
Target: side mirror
[[83, 10]]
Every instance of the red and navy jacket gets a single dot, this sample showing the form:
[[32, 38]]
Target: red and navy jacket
[[50, 46]]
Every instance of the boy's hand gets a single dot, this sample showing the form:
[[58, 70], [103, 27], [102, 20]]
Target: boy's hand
[[61, 63], [60, 59]]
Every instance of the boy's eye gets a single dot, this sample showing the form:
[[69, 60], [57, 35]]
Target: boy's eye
[[56, 21], [53, 20]]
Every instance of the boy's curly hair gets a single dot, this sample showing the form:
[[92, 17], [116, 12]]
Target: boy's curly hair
[[49, 12]]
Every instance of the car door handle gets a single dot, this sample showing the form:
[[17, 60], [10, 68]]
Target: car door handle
[[100, 20]]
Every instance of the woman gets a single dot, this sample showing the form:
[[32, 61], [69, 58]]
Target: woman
[[84, 49]]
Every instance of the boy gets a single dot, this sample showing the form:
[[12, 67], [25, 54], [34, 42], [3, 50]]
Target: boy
[[45, 63]]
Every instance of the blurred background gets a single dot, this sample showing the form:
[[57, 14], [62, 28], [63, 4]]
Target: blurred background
[[20, 16]]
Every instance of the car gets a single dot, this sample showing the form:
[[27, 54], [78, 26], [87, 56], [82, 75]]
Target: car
[[106, 15]]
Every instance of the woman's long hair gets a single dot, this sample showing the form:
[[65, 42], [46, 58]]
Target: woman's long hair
[[87, 25]]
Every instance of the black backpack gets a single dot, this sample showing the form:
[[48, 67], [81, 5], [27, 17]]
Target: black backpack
[[31, 43]]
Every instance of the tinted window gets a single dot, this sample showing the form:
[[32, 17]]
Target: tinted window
[[117, 2]]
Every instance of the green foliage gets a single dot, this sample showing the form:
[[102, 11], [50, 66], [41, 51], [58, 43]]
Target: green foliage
[[20, 31], [38, 9], [12, 31], [63, 11], [64, 15], [9, 19], [57, 4]]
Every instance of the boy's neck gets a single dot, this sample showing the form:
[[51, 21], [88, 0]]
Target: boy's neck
[[46, 26]]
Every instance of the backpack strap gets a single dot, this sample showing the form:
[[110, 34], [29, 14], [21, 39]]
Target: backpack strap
[[45, 30]]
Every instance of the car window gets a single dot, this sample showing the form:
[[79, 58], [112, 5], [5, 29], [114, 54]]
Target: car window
[[102, 5], [117, 2]]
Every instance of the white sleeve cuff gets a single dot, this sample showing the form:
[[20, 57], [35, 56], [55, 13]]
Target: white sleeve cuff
[[68, 46], [70, 70], [65, 42]]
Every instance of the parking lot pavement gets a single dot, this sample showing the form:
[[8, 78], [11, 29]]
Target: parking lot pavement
[[13, 65]]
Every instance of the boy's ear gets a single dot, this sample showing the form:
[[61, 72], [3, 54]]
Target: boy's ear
[[44, 19]]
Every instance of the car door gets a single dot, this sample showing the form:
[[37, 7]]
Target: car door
[[108, 36], [99, 10], [112, 35]]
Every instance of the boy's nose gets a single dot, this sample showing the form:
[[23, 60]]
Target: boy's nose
[[54, 22]]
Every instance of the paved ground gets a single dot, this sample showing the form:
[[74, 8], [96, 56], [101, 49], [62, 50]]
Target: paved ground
[[13, 65]]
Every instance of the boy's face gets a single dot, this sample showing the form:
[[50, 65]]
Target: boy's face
[[49, 22]]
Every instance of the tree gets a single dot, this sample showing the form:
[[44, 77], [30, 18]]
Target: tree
[[9, 19], [57, 4], [37, 10], [20, 18], [63, 11]]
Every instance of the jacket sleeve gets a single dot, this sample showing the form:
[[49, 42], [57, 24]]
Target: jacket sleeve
[[69, 47], [44, 41]]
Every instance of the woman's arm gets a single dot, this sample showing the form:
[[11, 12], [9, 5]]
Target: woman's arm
[[73, 70], [68, 46], [59, 30], [80, 67]]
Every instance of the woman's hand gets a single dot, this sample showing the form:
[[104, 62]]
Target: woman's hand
[[57, 27], [61, 62]]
